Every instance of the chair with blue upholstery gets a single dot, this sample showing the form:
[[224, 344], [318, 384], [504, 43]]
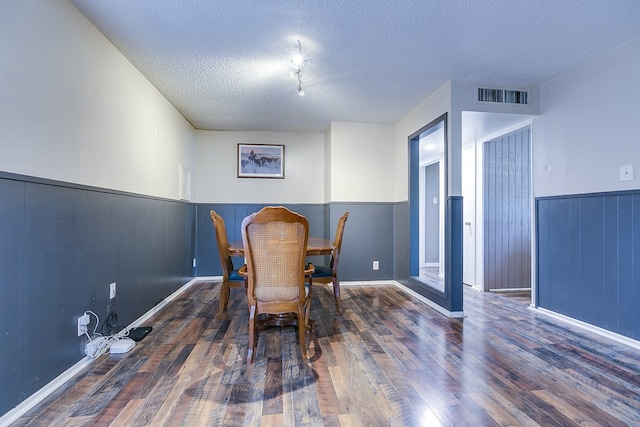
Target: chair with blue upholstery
[[329, 274], [230, 276]]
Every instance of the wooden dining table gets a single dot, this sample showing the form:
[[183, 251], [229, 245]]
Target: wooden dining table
[[315, 246]]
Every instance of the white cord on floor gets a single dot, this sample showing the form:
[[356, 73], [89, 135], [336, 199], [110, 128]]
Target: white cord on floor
[[100, 344]]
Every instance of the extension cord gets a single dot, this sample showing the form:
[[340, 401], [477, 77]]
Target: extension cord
[[99, 345], [96, 347]]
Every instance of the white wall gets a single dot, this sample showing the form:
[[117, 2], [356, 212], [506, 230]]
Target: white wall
[[589, 126], [430, 109], [72, 108], [327, 165], [215, 178], [362, 162]]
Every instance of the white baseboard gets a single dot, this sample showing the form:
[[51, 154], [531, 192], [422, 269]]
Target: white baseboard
[[140, 320], [588, 327], [45, 391], [67, 375], [427, 301], [451, 314]]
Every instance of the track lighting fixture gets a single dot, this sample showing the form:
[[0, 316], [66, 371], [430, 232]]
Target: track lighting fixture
[[298, 63]]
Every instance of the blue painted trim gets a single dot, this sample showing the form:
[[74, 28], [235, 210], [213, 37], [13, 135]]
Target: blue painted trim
[[453, 253], [414, 206]]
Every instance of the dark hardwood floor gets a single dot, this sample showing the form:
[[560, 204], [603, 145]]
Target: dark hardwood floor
[[389, 360]]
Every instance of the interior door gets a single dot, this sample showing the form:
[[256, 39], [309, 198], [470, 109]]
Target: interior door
[[507, 211], [469, 215]]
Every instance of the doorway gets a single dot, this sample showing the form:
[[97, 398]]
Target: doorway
[[430, 242], [430, 143], [447, 296], [431, 231], [507, 211]]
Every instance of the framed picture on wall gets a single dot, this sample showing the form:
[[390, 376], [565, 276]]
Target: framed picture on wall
[[260, 161]]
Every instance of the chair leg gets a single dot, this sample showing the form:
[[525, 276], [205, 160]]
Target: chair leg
[[302, 329], [336, 294], [252, 334], [224, 299], [308, 305]]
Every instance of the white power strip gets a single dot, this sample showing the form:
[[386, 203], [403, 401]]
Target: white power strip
[[96, 346], [121, 345]]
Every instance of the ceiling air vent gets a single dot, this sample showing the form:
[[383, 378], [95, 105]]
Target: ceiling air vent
[[503, 96]]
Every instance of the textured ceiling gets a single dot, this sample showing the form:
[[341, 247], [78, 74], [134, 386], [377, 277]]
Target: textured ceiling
[[223, 64]]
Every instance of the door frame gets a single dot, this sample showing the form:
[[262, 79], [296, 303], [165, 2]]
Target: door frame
[[451, 299]]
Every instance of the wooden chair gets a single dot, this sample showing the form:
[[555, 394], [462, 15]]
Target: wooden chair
[[230, 276], [275, 247], [329, 274]]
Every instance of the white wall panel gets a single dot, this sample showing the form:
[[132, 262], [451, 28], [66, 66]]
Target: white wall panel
[[73, 108], [589, 127], [430, 109], [215, 179], [362, 165]]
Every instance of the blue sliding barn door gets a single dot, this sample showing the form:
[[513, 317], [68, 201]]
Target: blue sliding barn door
[[507, 212]]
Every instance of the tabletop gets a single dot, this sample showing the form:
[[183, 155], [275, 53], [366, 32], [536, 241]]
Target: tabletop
[[315, 246]]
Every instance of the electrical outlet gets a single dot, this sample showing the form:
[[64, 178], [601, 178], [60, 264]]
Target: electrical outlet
[[376, 265], [112, 290], [626, 173], [83, 321]]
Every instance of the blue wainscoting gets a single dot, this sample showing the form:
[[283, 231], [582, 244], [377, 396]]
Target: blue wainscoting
[[61, 245], [588, 252], [368, 235]]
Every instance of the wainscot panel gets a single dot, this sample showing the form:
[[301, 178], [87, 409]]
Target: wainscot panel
[[588, 264], [61, 246], [368, 235]]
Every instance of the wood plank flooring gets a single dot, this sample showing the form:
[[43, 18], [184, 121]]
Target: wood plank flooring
[[390, 360]]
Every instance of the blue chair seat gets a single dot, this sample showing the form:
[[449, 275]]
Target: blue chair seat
[[321, 271], [235, 276]]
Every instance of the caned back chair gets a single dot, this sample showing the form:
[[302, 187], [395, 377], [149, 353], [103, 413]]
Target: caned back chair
[[329, 274], [230, 276], [275, 246]]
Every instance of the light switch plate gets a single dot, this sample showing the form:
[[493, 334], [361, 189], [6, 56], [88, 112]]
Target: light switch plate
[[626, 173]]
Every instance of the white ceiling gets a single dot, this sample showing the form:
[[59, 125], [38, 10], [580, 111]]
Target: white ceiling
[[224, 64]]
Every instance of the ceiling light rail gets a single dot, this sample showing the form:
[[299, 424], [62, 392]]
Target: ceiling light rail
[[298, 62]]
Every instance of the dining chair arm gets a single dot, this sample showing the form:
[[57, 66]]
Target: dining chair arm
[[309, 270], [243, 271]]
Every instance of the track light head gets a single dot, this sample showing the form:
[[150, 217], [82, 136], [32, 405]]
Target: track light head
[[298, 62]]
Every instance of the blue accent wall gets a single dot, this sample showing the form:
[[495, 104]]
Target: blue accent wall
[[61, 245], [588, 252]]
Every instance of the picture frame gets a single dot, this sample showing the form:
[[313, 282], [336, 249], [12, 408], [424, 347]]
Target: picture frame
[[260, 161]]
